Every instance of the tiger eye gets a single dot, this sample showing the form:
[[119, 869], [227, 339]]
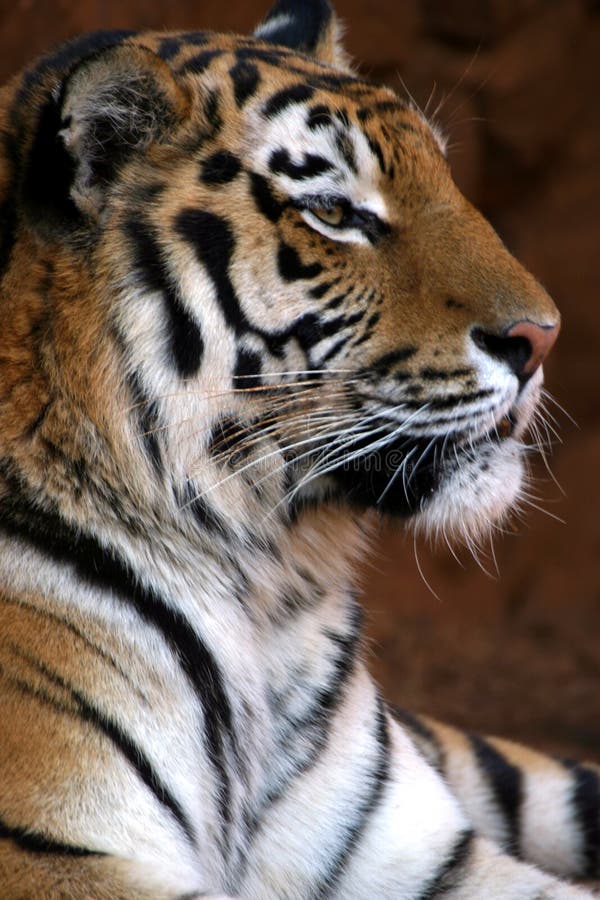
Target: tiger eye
[[330, 215]]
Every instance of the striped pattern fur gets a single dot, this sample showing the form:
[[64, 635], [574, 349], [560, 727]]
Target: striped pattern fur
[[243, 311]]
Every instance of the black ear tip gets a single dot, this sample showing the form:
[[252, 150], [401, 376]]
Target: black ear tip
[[298, 24], [297, 8]]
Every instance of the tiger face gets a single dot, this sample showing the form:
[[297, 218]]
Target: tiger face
[[276, 254]]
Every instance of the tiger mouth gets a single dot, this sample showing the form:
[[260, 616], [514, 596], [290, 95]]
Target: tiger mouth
[[506, 426], [403, 476]]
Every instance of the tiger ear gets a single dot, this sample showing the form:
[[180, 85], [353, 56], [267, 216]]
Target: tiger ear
[[112, 104], [309, 26]]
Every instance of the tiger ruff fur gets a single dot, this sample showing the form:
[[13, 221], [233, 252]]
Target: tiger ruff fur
[[243, 308]]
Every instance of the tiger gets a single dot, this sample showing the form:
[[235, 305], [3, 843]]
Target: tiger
[[245, 313]]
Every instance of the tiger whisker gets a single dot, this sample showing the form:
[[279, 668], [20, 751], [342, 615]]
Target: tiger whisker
[[289, 386], [360, 427], [401, 469], [282, 401], [331, 436], [273, 428], [541, 509], [261, 459], [319, 470], [548, 396]]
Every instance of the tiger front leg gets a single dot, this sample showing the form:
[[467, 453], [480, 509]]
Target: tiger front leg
[[368, 817]]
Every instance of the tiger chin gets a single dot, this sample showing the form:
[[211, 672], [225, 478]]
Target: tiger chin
[[242, 306]]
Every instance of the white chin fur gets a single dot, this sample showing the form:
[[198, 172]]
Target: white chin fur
[[475, 496]]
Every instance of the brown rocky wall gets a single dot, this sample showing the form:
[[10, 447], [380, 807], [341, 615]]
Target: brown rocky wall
[[515, 84]]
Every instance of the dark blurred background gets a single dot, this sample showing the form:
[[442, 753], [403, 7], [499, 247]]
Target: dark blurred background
[[516, 86]]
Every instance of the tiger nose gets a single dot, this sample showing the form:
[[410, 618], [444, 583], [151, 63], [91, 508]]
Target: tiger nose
[[523, 346]]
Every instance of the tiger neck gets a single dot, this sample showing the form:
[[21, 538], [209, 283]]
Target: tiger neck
[[314, 558], [111, 471], [290, 571]]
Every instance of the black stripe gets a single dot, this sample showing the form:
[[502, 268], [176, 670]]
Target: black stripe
[[212, 115], [422, 734], [220, 168], [321, 289], [337, 300], [39, 419], [451, 870], [369, 329], [102, 568], [197, 64], [450, 400], [297, 93], [451, 303], [281, 163], [413, 723], [246, 373], [396, 106], [47, 201], [307, 331], [346, 148], [384, 364], [212, 239], [78, 633], [271, 57], [316, 721], [214, 244], [430, 374], [585, 801], [171, 45], [331, 326], [347, 85], [36, 842], [265, 199], [319, 117], [132, 752], [186, 339], [245, 78], [291, 267], [146, 412], [375, 147], [505, 781], [201, 509], [365, 808], [337, 347]]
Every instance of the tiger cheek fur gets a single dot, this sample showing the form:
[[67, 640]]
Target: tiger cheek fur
[[245, 308]]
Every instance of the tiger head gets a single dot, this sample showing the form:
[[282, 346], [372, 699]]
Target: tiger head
[[235, 272]]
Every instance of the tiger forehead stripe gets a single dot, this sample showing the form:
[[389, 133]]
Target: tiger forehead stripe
[[200, 62], [281, 163], [246, 79], [172, 44], [220, 168], [297, 93]]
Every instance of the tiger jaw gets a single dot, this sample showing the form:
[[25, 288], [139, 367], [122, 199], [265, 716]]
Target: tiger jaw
[[448, 484]]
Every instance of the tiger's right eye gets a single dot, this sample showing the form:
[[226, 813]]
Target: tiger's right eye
[[333, 215]]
